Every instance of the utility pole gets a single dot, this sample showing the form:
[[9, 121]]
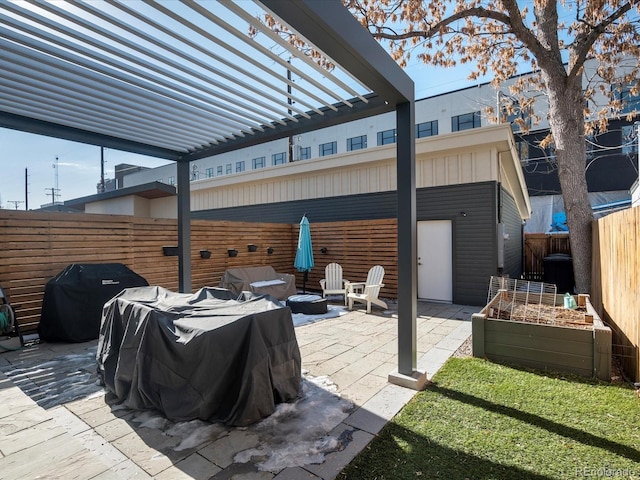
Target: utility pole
[[15, 203], [55, 191], [55, 166], [102, 185], [26, 189], [289, 111]]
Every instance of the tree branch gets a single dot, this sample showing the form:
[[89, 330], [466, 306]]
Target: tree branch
[[479, 12], [584, 41], [521, 31], [512, 21]]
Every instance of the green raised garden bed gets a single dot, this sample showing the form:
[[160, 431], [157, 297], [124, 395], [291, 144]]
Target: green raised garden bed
[[582, 346]]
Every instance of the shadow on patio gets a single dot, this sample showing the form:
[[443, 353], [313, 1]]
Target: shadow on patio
[[58, 423]]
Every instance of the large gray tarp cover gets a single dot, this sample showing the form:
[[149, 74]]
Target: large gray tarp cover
[[205, 355], [239, 279]]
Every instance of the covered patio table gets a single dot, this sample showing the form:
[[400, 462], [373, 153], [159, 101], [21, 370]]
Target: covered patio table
[[205, 355]]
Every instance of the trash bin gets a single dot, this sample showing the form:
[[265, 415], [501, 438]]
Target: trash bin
[[558, 269]]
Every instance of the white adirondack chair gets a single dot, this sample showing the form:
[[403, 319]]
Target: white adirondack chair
[[333, 283], [368, 291]]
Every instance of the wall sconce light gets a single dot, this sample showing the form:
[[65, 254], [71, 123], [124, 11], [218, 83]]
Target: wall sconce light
[[463, 214], [324, 250], [205, 254], [269, 250], [252, 248], [232, 252]]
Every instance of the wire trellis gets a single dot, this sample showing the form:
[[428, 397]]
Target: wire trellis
[[514, 299]]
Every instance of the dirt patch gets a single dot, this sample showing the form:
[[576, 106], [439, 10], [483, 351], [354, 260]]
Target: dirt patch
[[464, 350], [543, 314]]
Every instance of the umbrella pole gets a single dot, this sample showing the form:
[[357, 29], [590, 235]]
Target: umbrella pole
[[305, 277]]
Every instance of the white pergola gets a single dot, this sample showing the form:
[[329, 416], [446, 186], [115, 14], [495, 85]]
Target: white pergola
[[183, 80]]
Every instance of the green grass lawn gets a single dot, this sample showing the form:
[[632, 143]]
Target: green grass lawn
[[481, 420]]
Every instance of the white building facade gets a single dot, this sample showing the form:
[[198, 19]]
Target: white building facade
[[460, 110]]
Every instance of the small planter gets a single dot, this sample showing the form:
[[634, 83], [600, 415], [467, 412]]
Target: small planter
[[205, 254], [232, 252], [581, 348], [170, 251], [252, 248]]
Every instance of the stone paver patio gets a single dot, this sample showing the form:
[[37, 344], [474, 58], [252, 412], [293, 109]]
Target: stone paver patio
[[40, 437]]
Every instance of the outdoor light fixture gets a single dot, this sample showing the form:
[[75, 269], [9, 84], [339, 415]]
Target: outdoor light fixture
[[232, 252], [323, 250], [252, 248], [463, 214], [269, 250], [205, 254]]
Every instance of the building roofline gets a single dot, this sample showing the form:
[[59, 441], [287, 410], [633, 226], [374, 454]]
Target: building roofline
[[146, 190]]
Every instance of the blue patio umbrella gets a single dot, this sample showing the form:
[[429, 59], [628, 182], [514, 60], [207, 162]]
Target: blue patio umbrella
[[304, 254]]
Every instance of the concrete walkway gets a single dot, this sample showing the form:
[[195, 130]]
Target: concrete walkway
[[40, 437]]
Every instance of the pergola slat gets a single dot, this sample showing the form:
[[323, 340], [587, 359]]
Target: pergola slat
[[163, 89]]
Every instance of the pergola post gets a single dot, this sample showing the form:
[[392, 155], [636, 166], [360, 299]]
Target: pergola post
[[184, 227], [407, 375], [183, 122]]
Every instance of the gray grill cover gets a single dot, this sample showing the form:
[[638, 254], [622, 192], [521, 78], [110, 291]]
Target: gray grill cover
[[205, 355]]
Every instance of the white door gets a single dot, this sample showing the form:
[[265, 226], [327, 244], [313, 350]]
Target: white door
[[435, 261]]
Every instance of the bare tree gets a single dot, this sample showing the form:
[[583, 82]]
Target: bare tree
[[555, 38]]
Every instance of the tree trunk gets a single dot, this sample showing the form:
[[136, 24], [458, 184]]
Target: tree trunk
[[567, 126]]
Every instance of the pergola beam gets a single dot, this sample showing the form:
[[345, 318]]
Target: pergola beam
[[332, 28], [329, 117], [41, 127]]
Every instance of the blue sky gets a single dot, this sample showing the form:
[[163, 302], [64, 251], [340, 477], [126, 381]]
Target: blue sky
[[79, 164], [78, 168]]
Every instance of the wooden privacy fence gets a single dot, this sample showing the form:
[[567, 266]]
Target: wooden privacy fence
[[357, 246], [36, 246], [615, 289], [539, 245]]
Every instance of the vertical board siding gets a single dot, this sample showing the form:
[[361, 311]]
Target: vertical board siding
[[36, 246], [360, 172], [512, 227], [351, 207], [472, 209], [615, 288], [474, 233], [539, 245]]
